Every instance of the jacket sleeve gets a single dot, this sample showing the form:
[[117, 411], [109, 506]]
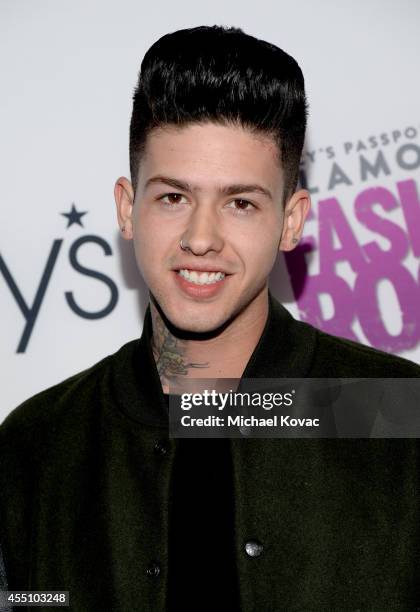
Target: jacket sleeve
[[3, 584]]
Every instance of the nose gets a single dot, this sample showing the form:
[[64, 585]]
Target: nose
[[203, 231]]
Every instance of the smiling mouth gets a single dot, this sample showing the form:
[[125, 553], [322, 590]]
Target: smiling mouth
[[201, 278]]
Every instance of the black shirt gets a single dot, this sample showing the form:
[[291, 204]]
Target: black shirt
[[202, 566]]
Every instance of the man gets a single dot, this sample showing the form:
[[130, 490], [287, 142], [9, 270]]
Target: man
[[96, 498]]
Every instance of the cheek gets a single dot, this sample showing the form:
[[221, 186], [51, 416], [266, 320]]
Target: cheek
[[150, 236], [259, 256], [260, 247]]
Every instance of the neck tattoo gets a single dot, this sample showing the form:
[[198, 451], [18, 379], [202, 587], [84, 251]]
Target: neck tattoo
[[169, 352]]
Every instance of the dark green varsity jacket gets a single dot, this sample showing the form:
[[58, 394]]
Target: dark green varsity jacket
[[84, 496]]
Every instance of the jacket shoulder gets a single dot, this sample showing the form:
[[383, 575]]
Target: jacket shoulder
[[72, 395], [338, 357]]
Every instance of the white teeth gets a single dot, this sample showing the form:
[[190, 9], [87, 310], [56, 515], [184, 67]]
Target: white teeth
[[201, 278]]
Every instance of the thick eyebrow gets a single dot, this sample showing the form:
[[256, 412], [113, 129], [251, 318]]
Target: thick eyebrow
[[226, 190]]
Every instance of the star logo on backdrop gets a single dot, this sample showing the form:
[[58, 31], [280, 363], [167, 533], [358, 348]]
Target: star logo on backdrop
[[73, 216]]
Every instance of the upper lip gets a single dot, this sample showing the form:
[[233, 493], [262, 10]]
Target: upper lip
[[201, 268]]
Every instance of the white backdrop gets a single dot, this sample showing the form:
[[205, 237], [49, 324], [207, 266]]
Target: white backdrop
[[68, 72]]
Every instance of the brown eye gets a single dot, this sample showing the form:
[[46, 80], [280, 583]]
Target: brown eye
[[172, 198], [243, 204]]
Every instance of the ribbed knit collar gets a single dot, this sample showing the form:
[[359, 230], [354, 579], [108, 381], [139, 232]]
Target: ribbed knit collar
[[285, 350]]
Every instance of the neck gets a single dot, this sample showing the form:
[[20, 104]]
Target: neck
[[219, 355]]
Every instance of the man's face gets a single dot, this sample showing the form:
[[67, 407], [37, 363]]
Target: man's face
[[219, 190]]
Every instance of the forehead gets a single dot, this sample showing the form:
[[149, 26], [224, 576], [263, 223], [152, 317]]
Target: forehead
[[207, 153]]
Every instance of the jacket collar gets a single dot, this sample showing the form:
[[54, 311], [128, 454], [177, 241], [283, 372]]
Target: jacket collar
[[285, 349]]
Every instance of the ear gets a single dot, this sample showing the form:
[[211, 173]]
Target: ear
[[124, 200], [295, 213]]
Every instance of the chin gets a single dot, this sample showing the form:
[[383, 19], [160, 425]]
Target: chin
[[194, 317], [198, 325], [190, 320]]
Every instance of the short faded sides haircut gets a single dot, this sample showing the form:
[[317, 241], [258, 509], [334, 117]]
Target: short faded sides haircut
[[221, 75]]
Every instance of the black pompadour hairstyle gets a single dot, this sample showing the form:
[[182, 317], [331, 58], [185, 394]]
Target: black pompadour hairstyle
[[221, 75]]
